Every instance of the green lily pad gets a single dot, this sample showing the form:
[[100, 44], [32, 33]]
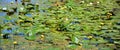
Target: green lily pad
[[105, 49], [72, 46], [31, 35], [75, 40], [52, 48]]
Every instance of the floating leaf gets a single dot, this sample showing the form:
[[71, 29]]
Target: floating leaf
[[72, 46], [75, 40], [105, 49], [31, 35], [52, 48]]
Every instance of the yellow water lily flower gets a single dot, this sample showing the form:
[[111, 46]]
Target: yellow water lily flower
[[102, 23], [1, 34], [42, 36], [109, 15], [90, 36], [15, 42], [64, 7]]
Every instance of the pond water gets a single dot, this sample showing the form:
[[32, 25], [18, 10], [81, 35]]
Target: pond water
[[38, 30], [2, 14]]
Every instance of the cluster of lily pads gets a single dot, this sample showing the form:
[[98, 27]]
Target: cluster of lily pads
[[85, 24]]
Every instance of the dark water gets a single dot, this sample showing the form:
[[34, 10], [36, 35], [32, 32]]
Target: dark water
[[2, 14]]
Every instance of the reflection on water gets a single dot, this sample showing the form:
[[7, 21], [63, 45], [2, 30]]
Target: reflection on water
[[29, 15], [7, 3], [2, 14]]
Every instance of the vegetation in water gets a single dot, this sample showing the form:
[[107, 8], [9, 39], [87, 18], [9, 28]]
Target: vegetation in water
[[60, 25]]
